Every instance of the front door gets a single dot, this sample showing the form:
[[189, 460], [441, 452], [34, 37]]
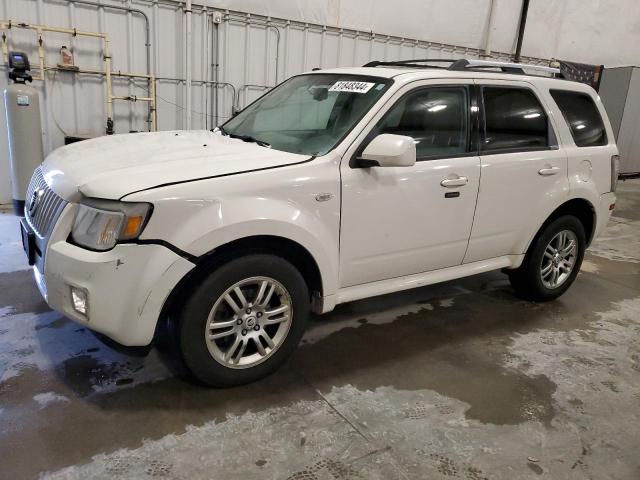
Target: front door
[[398, 221]]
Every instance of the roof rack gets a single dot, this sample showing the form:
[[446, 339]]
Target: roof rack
[[468, 64], [417, 63], [506, 67]]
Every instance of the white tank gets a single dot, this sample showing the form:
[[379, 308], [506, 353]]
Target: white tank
[[25, 138]]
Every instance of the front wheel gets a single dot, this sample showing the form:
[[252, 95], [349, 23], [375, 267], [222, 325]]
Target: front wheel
[[243, 320], [552, 262]]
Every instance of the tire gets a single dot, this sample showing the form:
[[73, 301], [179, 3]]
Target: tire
[[209, 359], [532, 280]]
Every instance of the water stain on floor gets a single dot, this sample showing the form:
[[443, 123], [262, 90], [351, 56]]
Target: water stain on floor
[[83, 373], [57, 323], [454, 352], [433, 367], [20, 292]]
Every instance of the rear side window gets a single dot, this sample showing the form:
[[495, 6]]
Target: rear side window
[[581, 113], [514, 120]]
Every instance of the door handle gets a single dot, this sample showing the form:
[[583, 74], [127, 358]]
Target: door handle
[[454, 182], [549, 170]]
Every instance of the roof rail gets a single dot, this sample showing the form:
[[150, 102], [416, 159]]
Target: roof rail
[[506, 67], [417, 63], [467, 64]]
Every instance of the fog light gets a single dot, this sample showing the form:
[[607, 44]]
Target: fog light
[[80, 300]]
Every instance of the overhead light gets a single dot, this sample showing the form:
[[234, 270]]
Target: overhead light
[[580, 127], [532, 115], [436, 108]]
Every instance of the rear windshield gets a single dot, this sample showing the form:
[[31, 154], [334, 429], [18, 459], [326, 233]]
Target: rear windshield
[[581, 113]]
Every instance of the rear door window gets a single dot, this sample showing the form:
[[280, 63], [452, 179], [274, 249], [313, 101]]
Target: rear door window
[[581, 113], [514, 120]]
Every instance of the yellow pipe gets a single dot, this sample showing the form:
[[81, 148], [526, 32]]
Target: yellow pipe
[[40, 56], [151, 79], [5, 48], [39, 29], [107, 72], [154, 111], [5, 25]]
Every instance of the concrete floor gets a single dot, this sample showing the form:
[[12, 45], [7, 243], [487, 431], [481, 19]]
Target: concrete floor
[[458, 380]]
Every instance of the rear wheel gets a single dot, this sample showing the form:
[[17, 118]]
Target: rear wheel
[[552, 262], [243, 320]]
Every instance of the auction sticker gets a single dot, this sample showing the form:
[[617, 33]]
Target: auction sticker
[[352, 87]]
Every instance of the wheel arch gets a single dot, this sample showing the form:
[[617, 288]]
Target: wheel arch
[[580, 208], [288, 249]]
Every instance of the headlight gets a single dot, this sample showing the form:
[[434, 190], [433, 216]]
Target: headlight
[[100, 224]]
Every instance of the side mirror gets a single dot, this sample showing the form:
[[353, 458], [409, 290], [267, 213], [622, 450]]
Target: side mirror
[[388, 150]]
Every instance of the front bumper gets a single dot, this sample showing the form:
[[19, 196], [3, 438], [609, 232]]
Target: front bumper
[[126, 286]]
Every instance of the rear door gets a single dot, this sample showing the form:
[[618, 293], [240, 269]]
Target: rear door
[[523, 169]]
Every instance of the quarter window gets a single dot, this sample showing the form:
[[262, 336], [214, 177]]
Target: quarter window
[[436, 118], [514, 120], [581, 113]]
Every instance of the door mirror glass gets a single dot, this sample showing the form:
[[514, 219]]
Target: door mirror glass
[[389, 150]]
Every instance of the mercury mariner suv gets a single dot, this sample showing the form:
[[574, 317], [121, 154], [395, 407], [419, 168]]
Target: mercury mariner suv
[[336, 185]]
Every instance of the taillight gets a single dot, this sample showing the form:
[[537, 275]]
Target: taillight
[[615, 171]]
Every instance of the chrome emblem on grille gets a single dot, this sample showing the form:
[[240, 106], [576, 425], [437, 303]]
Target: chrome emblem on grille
[[35, 201]]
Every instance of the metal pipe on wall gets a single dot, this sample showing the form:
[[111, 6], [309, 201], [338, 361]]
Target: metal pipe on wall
[[521, 25], [147, 31], [204, 64], [223, 60], [490, 21], [215, 85], [267, 24], [106, 55], [347, 32], [107, 70], [218, 84], [188, 63], [216, 66]]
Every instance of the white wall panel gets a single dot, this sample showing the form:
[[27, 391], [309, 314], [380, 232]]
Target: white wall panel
[[591, 31], [257, 51]]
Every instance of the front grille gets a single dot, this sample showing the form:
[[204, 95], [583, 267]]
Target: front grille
[[43, 217]]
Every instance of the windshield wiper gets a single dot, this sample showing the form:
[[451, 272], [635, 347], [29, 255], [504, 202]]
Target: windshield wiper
[[249, 138], [244, 138]]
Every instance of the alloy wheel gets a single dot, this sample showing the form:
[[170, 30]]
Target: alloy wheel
[[249, 322], [559, 259]]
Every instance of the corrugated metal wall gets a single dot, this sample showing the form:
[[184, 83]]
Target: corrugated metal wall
[[235, 57]]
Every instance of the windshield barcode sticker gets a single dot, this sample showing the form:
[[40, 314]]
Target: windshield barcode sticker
[[353, 87]]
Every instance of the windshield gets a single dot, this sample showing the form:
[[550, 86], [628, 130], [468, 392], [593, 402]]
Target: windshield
[[307, 114]]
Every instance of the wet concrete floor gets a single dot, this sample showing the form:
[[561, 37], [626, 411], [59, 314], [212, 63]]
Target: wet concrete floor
[[456, 380]]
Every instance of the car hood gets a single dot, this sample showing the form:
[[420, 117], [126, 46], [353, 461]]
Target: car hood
[[116, 165]]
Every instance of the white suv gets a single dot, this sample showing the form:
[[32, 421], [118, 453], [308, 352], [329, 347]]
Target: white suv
[[335, 186]]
